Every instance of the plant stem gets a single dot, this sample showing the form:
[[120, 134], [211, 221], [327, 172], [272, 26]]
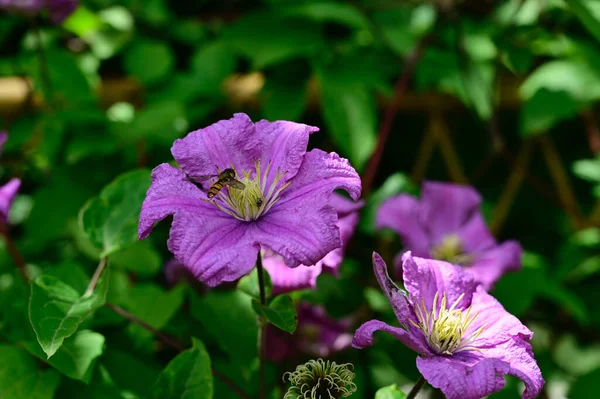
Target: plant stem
[[390, 113], [14, 252], [173, 343], [96, 277], [415, 390], [262, 324]]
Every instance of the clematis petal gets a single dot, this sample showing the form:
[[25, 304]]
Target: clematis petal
[[284, 145], [170, 193], [463, 379], [445, 207], [423, 278], [492, 264], [319, 175], [402, 214], [8, 192], [348, 217], [499, 325], [59, 10], [302, 230], [287, 279], [215, 249], [475, 235], [519, 355], [238, 141], [398, 298], [363, 337]]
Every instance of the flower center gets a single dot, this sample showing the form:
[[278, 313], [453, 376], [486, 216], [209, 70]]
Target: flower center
[[445, 329], [451, 250], [256, 198]]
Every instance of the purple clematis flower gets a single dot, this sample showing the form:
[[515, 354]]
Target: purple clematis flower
[[467, 342], [447, 225], [58, 10], [286, 279], [318, 334], [283, 205], [8, 192]]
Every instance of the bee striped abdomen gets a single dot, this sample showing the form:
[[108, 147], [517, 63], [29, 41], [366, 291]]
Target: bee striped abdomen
[[214, 190]]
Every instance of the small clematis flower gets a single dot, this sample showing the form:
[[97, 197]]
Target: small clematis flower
[[446, 224], [8, 192], [318, 334], [465, 339], [287, 279], [58, 10], [283, 205]]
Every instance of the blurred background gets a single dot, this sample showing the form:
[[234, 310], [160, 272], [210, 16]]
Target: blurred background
[[501, 95]]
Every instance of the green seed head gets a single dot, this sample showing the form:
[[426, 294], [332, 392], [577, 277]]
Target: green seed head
[[319, 379]]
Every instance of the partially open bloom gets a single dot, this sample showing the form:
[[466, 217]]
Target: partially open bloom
[[286, 279], [8, 191], [283, 205], [465, 339], [58, 10], [319, 379], [446, 224], [318, 334]]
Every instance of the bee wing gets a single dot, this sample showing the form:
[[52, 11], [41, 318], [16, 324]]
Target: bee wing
[[236, 184], [201, 178]]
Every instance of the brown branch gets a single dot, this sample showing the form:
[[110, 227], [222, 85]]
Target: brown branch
[[424, 155], [442, 134], [175, 344], [14, 252], [561, 180], [513, 184], [390, 113], [96, 277], [591, 130]]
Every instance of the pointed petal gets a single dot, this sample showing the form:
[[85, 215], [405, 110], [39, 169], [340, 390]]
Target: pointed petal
[[288, 279], [320, 174], [423, 278], [475, 235], [398, 298], [215, 249], [170, 193], [363, 337], [8, 192], [463, 379], [446, 207], [402, 214], [492, 264]]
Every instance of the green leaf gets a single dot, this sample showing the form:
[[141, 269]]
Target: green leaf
[[110, 220], [344, 14], [284, 100], [376, 300], [281, 312], [21, 376], [76, 357], [587, 169], [227, 316], [133, 371], [187, 376], [210, 65], [390, 392], [402, 27], [585, 387], [267, 38], [249, 284], [82, 21], [588, 12], [162, 121], [149, 61], [141, 258], [350, 115], [56, 309], [545, 109]]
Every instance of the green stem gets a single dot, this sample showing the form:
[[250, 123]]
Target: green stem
[[262, 324], [96, 277], [415, 390]]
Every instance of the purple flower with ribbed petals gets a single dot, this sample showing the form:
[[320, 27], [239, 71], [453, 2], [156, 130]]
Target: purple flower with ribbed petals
[[317, 334], [8, 192], [58, 10], [284, 205], [465, 339], [446, 224], [287, 279]]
